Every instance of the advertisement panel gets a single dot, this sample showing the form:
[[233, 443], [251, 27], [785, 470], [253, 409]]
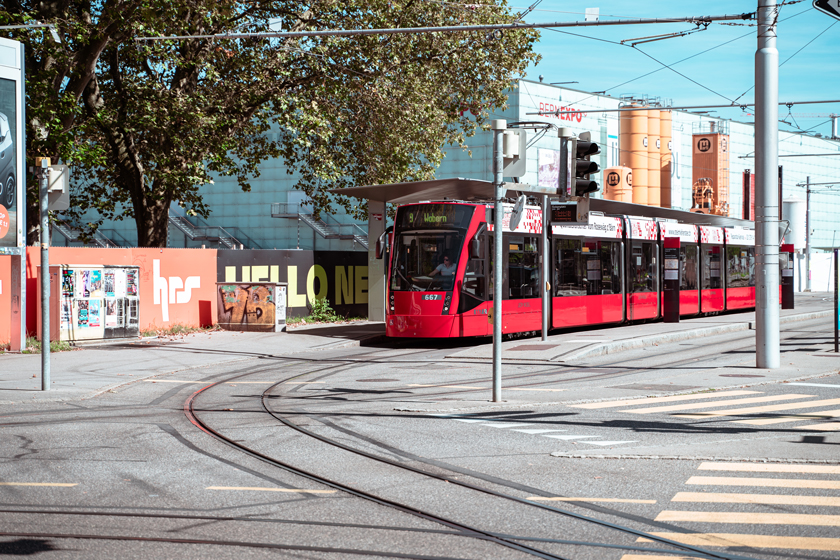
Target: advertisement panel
[[11, 145]]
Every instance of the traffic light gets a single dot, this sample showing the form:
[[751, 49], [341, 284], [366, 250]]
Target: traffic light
[[584, 148]]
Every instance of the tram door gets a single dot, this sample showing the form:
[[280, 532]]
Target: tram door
[[642, 281]]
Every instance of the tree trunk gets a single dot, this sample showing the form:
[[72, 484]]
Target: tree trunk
[[152, 220]]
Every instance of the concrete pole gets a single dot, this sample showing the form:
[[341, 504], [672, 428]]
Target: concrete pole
[[43, 183], [376, 267], [498, 127], [766, 188], [546, 255], [808, 234]]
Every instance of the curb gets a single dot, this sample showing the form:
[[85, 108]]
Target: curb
[[633, 343]]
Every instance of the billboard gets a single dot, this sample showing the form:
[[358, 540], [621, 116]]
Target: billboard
[[12, 210]]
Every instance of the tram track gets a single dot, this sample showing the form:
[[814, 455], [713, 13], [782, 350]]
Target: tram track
[[269, 395]]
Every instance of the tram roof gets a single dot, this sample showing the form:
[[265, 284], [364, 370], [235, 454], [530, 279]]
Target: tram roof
[[475, 190]]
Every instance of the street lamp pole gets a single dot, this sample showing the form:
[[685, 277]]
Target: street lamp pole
[[766, 191], [499, 126], [808, 234]]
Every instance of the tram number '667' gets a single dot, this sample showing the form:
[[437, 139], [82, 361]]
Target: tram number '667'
[[431, 297]]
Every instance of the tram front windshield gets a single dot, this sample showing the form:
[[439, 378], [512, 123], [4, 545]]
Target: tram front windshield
[[426, 260]]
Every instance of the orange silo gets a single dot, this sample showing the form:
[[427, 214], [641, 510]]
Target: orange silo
[[665, 159], [653, 157], [618, 184], [633, 151]]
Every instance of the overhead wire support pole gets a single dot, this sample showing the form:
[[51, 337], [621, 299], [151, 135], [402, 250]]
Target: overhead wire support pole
[[767, 347], [808, 234], [697, 20], [42, 173], [499, 126]]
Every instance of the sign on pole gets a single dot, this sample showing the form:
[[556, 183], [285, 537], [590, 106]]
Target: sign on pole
[[828, 7]]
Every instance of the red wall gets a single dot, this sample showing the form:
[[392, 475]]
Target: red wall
[[189, 277], [5, 299]]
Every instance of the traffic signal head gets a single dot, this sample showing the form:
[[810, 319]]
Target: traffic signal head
[[583, 166]]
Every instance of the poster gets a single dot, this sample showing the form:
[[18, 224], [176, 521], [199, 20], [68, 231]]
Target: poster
[[96, 283], [111, 316], [109, 283], [119, 283], [131, 282], [549, 168], [9, 176], [66, 315], [67, 283], [82, 280], [82, 318], [95, 313]]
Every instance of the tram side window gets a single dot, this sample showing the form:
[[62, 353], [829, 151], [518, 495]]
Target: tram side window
[[610, 267], [688, 263], [523, 267], [740, 266], [474, 288], [568, 268], [642, 267], [586, 267], [710, 268]]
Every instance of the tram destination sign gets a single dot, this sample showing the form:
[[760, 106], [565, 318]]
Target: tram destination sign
[[434, 216], [570, 212]]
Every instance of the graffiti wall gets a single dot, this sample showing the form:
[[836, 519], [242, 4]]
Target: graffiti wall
[[340, 277], [247, 307]]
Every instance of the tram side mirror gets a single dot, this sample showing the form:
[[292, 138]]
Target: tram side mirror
[[380, 245], [475, 248]]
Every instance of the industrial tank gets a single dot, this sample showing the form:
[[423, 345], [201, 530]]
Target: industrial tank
[[633, 151], [653, 157], [665, 159], [618, 184], [793, 209]]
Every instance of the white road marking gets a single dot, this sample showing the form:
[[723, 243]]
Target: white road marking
[[605, 443], [815, 385], [571, 437]]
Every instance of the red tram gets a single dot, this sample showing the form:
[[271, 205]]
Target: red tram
[[440, 284]]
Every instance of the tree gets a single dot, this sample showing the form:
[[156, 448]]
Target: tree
[[145, 124]]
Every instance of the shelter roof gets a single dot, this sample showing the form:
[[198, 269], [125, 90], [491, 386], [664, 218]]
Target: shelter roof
[[475, 190]]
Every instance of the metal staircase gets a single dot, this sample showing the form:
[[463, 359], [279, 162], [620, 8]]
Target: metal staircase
[[213, 234], [99, 239], [326, 226]]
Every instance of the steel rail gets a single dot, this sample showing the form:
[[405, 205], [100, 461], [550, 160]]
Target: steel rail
[[464, 530], [288, 423], [697, 20]]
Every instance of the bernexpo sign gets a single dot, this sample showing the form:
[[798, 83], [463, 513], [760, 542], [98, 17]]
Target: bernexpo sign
[[12, 209]]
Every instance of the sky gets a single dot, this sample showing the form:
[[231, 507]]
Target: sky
[[720, 60]]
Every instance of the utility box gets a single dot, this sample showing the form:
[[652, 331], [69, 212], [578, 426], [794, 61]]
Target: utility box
[[251, 306], [93, 302]]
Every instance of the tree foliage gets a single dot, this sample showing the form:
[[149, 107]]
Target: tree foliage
[[145, 124]]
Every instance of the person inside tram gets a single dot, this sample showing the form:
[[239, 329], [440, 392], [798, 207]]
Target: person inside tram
[[446, 268]]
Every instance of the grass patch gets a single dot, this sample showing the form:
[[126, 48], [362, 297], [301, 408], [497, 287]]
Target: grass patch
[[320, 312], [33, 346], [175, 330]]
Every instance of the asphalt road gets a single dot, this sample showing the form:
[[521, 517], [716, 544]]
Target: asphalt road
[[682, 450]]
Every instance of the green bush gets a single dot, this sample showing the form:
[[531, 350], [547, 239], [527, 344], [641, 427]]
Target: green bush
[[321, 311]]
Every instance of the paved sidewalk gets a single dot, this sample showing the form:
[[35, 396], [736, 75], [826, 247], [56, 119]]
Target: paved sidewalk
[[91, 370], [573, 345]]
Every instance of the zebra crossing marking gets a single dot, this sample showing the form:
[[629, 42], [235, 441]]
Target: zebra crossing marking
[[655, 400], [766, 499], [823, 415], [753, 541], [671, 408], [770, 468], [759, 409], [751, 518], [827, 427], [764, 482]]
